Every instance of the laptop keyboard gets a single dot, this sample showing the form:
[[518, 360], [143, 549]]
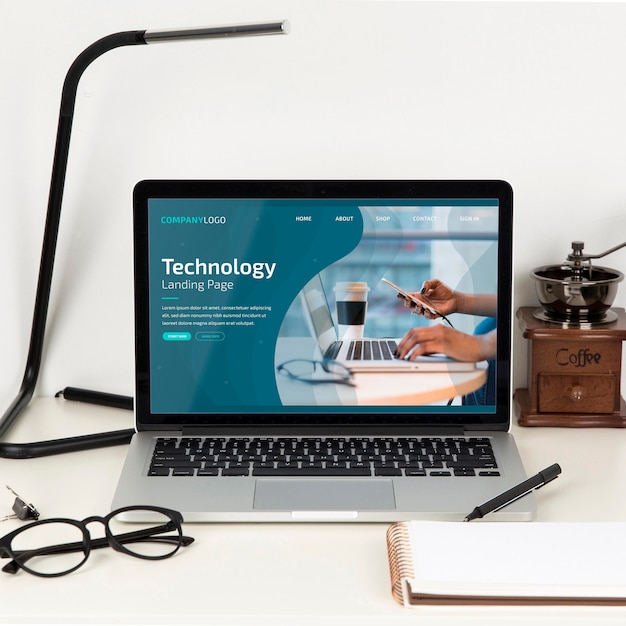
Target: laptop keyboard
[[323, 456], [367, 350]]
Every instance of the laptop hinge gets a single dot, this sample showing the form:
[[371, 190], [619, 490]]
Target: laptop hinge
[[325, 430]]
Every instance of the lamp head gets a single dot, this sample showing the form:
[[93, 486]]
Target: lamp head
[[217, 32]]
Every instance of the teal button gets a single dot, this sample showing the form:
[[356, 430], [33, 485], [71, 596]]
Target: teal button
[[210, 336], [171, 336]]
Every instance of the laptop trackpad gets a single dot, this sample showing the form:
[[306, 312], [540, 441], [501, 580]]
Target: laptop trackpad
[[324, 495]]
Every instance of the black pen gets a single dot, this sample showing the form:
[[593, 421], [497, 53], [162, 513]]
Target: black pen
[[515, 493]]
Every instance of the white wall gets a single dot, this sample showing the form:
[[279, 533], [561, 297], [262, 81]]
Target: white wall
[[530, 92]]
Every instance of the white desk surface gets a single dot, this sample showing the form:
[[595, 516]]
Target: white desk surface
[[262, 574]]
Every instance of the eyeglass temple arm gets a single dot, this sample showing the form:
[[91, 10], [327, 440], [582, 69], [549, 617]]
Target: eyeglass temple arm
[[148, 534]]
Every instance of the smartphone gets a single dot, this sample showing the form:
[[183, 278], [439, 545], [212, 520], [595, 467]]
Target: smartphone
[[417, 300]]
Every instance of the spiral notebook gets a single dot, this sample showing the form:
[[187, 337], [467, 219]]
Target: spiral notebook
[[541, 563]]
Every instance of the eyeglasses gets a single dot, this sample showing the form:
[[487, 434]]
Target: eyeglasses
[[314, 372], [58, 546]]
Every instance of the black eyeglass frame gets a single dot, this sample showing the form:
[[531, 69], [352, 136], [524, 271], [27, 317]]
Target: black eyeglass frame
[[325, 364], [18, 558]]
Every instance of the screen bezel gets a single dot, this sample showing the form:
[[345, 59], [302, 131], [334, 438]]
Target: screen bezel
[[353, 423]]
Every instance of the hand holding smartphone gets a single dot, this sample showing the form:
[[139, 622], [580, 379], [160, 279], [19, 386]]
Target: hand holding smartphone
[[418, 301]]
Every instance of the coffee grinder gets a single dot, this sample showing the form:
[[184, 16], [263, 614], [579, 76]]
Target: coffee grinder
[[575, 345]]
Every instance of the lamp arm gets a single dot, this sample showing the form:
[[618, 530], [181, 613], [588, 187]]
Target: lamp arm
[[55, 197], [57, 184]]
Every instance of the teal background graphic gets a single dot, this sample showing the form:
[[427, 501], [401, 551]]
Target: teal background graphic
[[236, 372]]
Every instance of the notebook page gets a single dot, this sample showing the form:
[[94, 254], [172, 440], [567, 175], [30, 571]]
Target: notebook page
[[529, 558]]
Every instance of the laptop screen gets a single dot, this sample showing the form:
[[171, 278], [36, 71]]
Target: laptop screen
[[246, 290]]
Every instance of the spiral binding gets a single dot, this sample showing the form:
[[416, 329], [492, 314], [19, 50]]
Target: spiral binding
[[400, 558]]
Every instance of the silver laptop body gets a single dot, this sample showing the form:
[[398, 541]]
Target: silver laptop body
[[231, 428]]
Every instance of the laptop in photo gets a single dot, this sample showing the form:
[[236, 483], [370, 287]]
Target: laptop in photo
[[364, 354], [240, 418]]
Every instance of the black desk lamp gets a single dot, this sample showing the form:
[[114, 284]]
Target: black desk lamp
[[59, 166]]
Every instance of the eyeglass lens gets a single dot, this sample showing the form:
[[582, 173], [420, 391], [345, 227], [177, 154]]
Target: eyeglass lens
[[300, 368], [33, 548], [337, 369], [157, 539]]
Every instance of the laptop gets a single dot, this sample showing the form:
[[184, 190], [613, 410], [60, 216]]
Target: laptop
[[235, 425], [365, 354]]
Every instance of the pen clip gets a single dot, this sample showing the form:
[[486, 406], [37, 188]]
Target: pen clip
[[521, 495], [546, 482]]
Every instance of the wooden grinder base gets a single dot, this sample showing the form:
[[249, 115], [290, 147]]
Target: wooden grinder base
[[574, 374]]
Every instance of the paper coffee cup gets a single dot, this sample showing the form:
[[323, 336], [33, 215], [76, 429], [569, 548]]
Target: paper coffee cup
[[351, 308]]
